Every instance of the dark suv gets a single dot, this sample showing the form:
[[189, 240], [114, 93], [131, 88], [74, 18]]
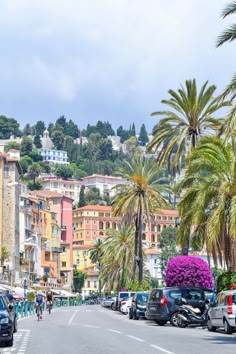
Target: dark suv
[[8, 321], [163, 303], [138, 305]]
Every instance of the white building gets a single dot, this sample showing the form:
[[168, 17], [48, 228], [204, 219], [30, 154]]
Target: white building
[[54, 156], [105, 183], [68, 187], [153, 263]]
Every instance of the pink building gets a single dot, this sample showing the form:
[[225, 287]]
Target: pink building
[[62, 207]]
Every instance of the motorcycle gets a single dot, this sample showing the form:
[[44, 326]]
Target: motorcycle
[[188, 315]]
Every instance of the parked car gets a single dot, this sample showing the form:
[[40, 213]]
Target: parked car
[[8, 321], [222, 312], [163, 303], [122, 295], [138, 305], [108, 302], [125, 305]]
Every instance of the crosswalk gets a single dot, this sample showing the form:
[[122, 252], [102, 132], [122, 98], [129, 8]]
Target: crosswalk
[[21, 339]]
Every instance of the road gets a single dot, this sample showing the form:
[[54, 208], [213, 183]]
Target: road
[[93, 329]]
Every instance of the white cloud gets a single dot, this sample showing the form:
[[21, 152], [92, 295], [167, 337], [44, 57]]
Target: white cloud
[[128, 51]]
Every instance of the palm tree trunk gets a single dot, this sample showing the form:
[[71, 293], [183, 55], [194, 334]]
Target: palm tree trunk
[[123, 273], [233, 256], [140, 277], [135, 248]]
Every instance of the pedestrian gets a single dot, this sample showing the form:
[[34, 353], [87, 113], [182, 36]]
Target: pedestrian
[[9, 296]]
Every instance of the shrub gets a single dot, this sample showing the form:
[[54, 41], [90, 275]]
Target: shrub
[[226, 281], [136, 286], [30, 295], [188, 271]]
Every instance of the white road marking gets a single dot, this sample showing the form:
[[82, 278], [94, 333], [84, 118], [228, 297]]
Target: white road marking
[[72, 317], [90, 326], [114, 330], [136, 338], [161, 349], [88, 310]]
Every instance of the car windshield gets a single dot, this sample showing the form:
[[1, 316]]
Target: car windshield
[[142, 297], [155, 295], [122, 295], [192, 294], [2, 304]]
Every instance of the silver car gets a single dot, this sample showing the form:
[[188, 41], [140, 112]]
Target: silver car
[[222, 312]]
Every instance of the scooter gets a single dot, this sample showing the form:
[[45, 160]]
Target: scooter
[[188, 315]]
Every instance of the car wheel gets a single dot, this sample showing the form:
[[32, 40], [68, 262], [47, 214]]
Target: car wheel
[[15, 326], [10, 342], [135, 317], [174, 319], [130, 314], [161, 322], [228, 329], [210, 327]]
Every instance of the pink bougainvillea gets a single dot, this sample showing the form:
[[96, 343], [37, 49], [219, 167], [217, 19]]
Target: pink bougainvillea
[[188, 271]]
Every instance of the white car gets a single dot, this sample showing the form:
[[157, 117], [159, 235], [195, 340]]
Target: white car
[[125, 305]]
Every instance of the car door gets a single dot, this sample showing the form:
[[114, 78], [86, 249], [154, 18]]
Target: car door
[[213, 312], [219, 310]]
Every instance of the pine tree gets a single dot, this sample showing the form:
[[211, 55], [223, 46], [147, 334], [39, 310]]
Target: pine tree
[[143, 136], [133, 130], [81, 197], [37, 142]]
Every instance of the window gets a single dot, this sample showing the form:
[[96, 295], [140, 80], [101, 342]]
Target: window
[[88, 283], [155, 295], [95, 284], [155, 261], [63, 264], [84, 253], [63, 249], [170, 218], [158, 228], [152, 228], [143, 237], [153, 238], [6, 171], [78, 261]]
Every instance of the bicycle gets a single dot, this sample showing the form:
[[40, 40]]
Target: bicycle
[[38, 311]]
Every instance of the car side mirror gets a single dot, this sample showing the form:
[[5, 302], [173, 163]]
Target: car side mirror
[[10, 307]]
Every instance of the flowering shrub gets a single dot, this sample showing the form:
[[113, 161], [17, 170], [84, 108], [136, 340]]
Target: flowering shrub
[[188, 271]]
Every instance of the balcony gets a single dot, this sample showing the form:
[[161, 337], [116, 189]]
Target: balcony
[[26, 209], [57, 249], [63, 227], [31, 241]]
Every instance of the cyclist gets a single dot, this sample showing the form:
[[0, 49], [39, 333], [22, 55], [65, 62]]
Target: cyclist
[[39, 302], [49, 298]]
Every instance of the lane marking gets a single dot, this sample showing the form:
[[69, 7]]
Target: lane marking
[[90, 326], [72, 317], [114, 330], [161, 349], [136, 338]]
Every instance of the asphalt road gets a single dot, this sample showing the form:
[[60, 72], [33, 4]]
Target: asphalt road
[[93, 329]]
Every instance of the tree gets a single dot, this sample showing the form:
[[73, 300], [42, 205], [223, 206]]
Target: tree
[[132, 146], [81, 197], [79, 280], [96, 254], [188, 271], [208, 198], [37, 142], [58, 139], [5, 254], [133, 130], [27, 130], [25, 162], [8, 127], [118, 247], [191, 117], [12, 145], [229, 35], [39, 128], [36, 156], [26, 145], [142, 195], [63, 171], [168, 246], [92, 197], [34, 171], [143, 136]]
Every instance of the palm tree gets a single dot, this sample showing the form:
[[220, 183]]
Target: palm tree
[[209, 197], [118, 247], [34, 171], [190, 117], [142, 194], [226, 36], [96, 253]]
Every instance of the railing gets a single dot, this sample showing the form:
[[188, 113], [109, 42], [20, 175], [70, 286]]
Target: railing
[[26, 309]]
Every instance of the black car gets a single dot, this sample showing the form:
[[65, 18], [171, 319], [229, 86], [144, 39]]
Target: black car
[[8, 321], [163, 303], [138, 305]]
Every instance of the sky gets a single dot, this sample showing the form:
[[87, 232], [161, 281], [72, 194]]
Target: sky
[[109, 60]]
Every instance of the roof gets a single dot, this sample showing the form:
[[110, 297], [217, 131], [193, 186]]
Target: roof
[[79, 247], [152, 251], [96, 207], [103, 176], [48, 179], [48, 194]]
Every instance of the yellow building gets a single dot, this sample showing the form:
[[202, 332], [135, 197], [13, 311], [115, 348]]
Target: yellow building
[[81, 259]]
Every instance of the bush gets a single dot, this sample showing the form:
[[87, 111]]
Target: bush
[[135, 286], [226, 281], [188, 271], [30, 296]]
